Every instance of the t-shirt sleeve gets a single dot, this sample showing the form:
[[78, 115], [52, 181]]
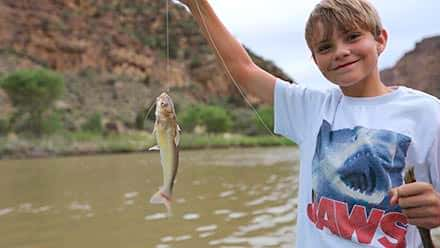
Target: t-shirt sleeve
[[433, 161], [296, 108]]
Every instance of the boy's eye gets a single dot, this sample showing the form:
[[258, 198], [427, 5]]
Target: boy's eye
[[353, 36], [324, 48]]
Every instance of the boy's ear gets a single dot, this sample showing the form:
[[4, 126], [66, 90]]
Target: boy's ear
[[381, 39]]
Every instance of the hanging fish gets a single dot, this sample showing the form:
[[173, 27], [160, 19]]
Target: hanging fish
[[167, 134]]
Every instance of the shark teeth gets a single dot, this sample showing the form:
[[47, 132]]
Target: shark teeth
[[375, 198]]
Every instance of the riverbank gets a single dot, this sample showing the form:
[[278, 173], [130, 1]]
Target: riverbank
[[83, 143]]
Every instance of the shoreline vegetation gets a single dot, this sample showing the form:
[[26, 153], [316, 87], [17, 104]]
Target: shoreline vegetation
[[42, 122], [88, 143]]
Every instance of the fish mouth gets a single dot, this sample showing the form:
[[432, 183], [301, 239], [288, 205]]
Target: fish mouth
[[164, 105], [167, 113]]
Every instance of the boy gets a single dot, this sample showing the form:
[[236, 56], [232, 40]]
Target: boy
[[355, 141]]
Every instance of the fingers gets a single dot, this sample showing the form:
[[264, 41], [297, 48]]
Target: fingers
[[426, 222], [410, 190], [420, 212], [416, 188], [394, 196], [417, 200]]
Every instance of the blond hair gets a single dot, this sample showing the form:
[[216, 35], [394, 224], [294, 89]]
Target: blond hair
[[344, 15]]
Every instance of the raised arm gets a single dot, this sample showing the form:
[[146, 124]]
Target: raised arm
[[230, 53]]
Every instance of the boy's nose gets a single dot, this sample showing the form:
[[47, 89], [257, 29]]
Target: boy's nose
[[342, 52]]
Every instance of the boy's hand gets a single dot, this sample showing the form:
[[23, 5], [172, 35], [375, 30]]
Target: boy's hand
[[420, 203]]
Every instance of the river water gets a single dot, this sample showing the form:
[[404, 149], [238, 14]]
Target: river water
[[223, 198]]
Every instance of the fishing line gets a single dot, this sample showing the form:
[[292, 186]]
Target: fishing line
[[167, 46], [167, 66], [240, 90], [150, 107], [228, 71]]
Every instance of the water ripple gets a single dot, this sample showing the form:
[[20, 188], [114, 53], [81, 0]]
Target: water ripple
[[25, 207], [237, 215], [191, 216], [222, 211], [226, 193], [6, 211], [206, 228], [130, 194], [156, 216], [79, 206], [262, 200], [205, 235], [167, 239], [41, 209], [183, 237]]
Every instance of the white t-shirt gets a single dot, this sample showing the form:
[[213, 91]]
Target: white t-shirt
[[353, 150]]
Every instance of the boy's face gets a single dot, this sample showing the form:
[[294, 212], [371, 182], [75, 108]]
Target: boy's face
[[348, 58]]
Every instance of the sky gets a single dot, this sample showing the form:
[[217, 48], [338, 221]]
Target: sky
[[275, 30]]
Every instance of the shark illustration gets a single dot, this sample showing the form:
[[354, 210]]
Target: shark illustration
[[358, 166]]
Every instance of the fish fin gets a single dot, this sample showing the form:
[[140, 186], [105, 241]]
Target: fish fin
[[177, 138], [154, 129], [154, 148], [161, 197]]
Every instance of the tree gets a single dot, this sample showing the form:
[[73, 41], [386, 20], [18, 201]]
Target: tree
[[33, 92], [214, 118]]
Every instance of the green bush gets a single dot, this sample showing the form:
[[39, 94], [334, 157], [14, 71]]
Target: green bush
[[140, 120], [52, 123], [143, 122], [93, 124], [189, 118], [214, 118], [33, 92], [4, 126], [243, 121], [33, 89], [266, 115]]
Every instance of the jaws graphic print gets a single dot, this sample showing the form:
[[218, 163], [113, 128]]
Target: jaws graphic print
[[352, 172]]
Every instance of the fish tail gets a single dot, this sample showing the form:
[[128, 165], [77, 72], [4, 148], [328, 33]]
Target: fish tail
[[162, 197]]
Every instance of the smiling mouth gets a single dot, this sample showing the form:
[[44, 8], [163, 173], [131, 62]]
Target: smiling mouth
[[345, 65]]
